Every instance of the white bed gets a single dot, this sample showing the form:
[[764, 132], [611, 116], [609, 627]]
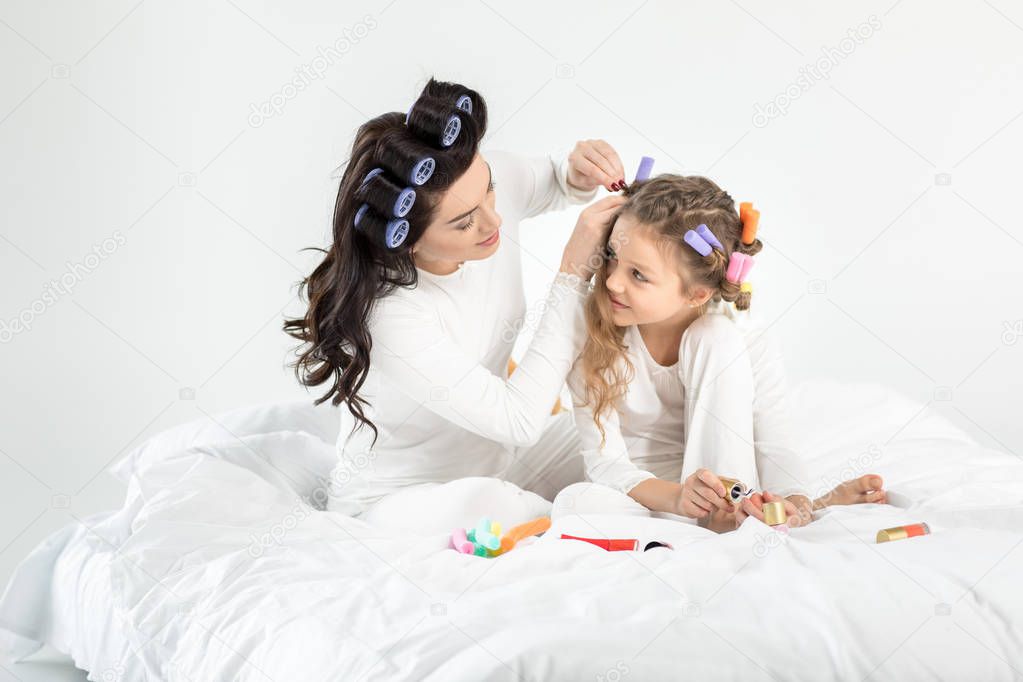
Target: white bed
[[177, 585]]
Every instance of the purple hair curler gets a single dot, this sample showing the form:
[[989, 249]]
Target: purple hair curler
[[370, 175], [464, 103], [403, 204], [646, 164], [451, 130], [422, 170], [696, 241], [395, 232], [359, 213], [708, 236]]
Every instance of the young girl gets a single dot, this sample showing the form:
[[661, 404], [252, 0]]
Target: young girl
[[674, 389]]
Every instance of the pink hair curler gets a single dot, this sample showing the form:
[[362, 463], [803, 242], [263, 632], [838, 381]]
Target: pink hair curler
[[460, 542]]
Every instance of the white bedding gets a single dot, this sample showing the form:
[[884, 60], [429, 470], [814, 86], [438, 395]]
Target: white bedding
[[178, 585]]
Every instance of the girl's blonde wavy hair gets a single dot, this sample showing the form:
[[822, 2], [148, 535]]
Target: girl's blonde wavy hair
[[669, 206]]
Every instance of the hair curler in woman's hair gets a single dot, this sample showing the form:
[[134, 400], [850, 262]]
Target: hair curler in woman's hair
[[384, 196], [410, 166], [464, 103], [433, 120], [387, 233]]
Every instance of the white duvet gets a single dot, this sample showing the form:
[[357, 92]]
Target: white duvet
[[218, 568]]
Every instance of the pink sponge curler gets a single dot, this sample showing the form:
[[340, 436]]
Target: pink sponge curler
[[739, 266], [747, 265], [460, 542]]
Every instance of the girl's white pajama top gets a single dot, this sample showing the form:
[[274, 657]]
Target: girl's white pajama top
[[438, 387], [721, 406]]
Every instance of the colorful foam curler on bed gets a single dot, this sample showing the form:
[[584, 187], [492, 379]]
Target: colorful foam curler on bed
[[487, 540], [523, 531], [646, 166], [460, 542]]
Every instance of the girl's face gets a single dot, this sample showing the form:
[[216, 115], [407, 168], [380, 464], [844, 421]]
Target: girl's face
[[644, 282], [465, 225]]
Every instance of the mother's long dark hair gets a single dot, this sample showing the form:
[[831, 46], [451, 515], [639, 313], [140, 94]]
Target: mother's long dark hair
[[367, 262]]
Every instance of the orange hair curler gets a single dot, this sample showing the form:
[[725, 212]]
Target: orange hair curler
[[750, 219]]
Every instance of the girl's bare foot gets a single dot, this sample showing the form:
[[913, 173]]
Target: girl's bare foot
[[867, 488]]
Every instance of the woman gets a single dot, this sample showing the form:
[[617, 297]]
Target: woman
[[409, 317]]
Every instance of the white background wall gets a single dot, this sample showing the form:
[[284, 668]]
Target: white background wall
[[889, 190]]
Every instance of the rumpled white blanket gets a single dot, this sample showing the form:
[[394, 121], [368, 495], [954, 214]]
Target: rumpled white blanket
[[219, 568]]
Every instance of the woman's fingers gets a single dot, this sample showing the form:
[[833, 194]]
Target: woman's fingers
[[608, 152], [695, 506], [709, 488], [585, 164], [709, 478], [710, 494]]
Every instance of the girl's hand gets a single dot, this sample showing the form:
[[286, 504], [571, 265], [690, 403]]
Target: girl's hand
[[754, 506], [703, 493], [593, 163], [584, 252], [804, 511]]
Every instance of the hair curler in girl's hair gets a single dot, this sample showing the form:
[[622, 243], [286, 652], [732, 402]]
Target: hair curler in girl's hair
[[750, 219], [708, 236], [646, 166], [702, 240], [739, 266], [384, 196], [388, 233]]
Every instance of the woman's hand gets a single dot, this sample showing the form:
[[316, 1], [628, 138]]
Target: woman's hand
[[593, 163], [584, 252], [702, 493]]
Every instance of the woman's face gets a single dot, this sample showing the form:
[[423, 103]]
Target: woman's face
[[465, 225], [643, 282]]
